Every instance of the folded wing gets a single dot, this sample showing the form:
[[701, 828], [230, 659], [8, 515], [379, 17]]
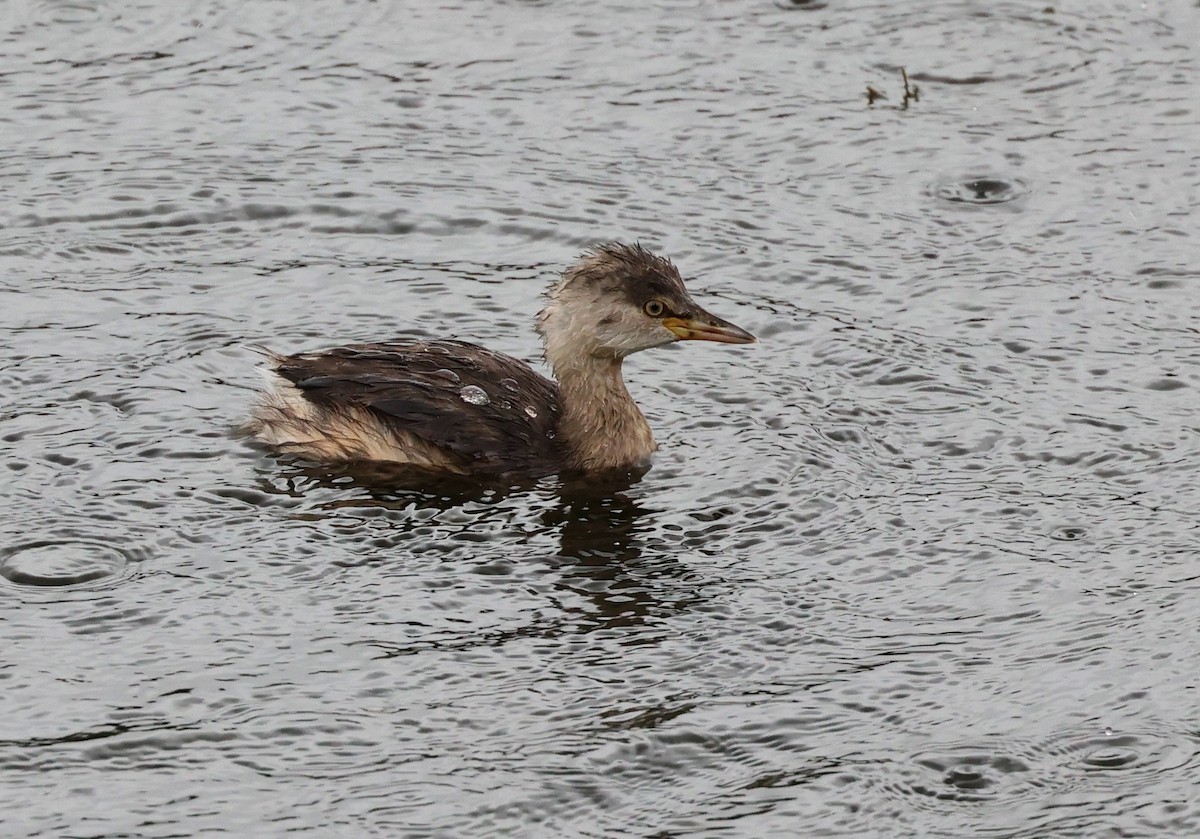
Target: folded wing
[[484, 409]]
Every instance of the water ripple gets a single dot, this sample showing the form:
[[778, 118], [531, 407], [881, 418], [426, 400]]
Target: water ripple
[[915, 564], [59, 564]]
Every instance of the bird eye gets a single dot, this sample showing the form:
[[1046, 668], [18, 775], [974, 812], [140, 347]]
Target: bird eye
[[654, 308]]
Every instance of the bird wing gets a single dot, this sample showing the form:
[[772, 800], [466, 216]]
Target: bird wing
[[488, 408]]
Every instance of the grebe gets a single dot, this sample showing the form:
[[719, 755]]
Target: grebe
[[455, 407]]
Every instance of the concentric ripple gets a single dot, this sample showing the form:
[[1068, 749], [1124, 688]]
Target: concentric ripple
[[75, 563], [921, 563], [1013, 778], [983, 190]]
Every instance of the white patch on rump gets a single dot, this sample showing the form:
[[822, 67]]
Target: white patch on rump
[[288, 421]]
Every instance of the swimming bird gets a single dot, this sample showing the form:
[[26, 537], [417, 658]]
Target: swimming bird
[[454, 407]]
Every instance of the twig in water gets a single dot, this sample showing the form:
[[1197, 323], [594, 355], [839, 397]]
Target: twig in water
[[911, 93]]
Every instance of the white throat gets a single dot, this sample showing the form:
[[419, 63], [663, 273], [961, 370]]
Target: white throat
[[601, 424]]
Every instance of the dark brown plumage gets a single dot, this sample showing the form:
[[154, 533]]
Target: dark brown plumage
[[418, 388], [456, 407]]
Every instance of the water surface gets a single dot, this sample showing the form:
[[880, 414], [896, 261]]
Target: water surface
[[920, 563]]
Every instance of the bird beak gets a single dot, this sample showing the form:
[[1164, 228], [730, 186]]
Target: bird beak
[[705, 327]]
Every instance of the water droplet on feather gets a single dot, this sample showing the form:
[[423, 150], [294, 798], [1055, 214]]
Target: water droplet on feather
[[474, 395]]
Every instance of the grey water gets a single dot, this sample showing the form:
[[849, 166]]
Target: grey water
[[923, 562]]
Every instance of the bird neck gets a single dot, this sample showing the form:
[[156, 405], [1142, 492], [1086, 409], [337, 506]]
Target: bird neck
[[601, 424]]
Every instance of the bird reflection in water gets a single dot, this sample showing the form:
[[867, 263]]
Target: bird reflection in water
[[606, 559]]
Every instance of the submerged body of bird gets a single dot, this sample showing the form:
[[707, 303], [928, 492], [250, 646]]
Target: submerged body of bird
[[454, 407]]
